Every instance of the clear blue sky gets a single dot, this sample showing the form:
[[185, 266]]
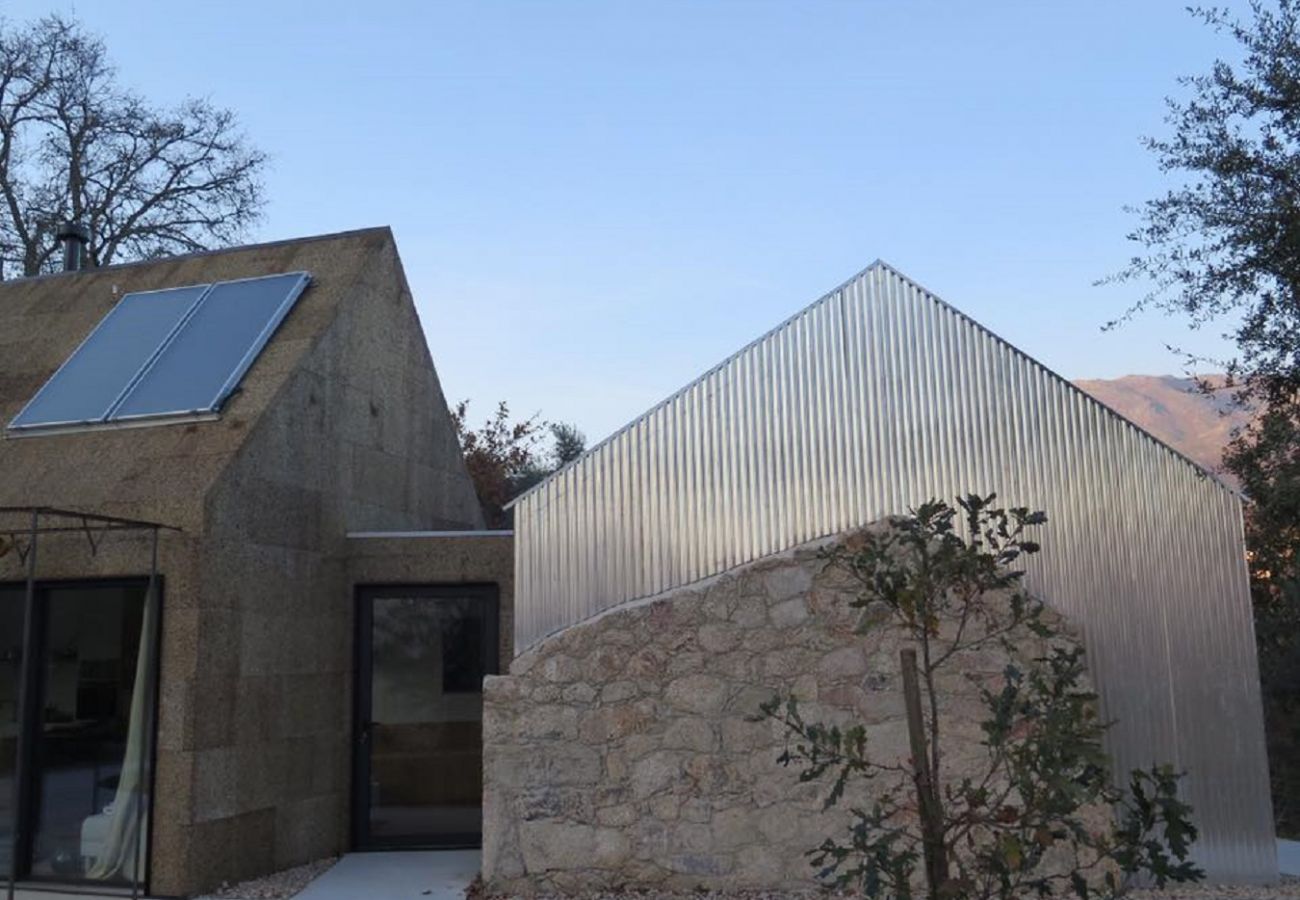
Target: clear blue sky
[[596, 201]]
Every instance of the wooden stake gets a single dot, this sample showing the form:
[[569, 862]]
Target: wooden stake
[[927, 798]]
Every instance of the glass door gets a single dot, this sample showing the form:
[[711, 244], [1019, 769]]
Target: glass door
[[87, 779], [422, 652], [11, 664], [84, 796]]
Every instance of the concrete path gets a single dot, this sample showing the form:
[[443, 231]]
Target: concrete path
[[24, 894], [1288, 857], [413, 875], [404, 875]]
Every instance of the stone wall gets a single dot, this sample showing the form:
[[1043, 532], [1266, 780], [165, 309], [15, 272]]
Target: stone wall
[[621, 752]]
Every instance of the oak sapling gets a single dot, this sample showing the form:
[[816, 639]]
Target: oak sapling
[[1024, 820]]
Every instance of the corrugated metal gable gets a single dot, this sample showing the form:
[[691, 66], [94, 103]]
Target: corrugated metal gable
[[876, 398]]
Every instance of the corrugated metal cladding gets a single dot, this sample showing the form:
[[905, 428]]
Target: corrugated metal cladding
[[876, 398]]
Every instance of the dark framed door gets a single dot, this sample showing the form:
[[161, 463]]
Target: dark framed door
[[421, 654], [86, 745]]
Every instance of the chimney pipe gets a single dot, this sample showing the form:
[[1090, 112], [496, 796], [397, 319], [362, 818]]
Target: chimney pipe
[[74, 238]]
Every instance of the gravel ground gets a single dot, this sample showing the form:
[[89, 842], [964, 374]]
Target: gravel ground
[[276, 886], [283, 885], [1289, 889]]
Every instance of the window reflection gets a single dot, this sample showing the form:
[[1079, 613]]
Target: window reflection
[[87, 783], [429, 656], [11, 636]]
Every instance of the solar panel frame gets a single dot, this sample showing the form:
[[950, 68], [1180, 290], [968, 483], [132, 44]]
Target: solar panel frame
[[18, 427], [263, 337], [112, 416]]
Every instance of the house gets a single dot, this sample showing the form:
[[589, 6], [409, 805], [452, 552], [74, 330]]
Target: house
[[249, 615], [664, 585], [300, 674]]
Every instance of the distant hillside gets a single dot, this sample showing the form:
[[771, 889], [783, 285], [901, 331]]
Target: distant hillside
[[1173, 410]]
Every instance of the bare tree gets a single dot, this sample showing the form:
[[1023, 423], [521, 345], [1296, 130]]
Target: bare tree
[[75, 146]]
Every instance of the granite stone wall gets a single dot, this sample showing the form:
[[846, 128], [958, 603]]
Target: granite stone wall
[[623, 751]]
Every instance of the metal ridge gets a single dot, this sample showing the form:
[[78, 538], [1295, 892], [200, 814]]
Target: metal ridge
[[829, 295]]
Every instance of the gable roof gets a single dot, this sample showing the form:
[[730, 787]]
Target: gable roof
[[878, 267], [160, 472], [874, 399]]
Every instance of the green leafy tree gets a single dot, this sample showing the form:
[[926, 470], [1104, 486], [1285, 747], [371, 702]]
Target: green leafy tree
[[1266, 459], [505, 457], [76, 146], [500, 455], [1224, 242], [570, 443], [1023, 821], [1225, 238]]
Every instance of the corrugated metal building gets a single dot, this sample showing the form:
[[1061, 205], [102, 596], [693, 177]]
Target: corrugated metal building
[[877, 397]]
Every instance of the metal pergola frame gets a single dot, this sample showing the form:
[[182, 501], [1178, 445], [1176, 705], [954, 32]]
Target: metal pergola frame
[[94, 527]]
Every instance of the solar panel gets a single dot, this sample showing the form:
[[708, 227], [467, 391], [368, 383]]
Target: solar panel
[[207, 357], [85, 387], [166, 353]]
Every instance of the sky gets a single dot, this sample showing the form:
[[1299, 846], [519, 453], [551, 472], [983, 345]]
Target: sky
[[597, 201]]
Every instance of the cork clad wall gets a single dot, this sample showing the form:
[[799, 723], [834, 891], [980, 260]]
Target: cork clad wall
[[447, 558], [339, 425], [622, 751], [353, 440]]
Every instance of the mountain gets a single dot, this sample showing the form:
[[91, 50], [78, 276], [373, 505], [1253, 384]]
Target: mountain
[[1196, 424]]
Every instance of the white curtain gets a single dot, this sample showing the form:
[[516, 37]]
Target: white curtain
[[130, 811]]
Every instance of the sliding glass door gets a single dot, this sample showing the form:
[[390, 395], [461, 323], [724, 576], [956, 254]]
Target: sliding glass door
[[11, 661], [84, 795]]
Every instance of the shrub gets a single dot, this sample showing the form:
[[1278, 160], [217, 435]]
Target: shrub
[[1024, 821]]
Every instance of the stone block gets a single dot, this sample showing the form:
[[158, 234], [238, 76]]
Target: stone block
[[656, 772], [789, 613], [748, 700], [548, 845], [604, 664], [581, 694], [691, 734], [546, 723], [759, 866], [787, 581], [561, 669], [718, 638], [648, 663], [749, 613], [696, 864], [610, 723], [734, 828], [664, 807], [698, 694], [540, 802], [843, 663], [618, 691], [611, 848], [621, 815]]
